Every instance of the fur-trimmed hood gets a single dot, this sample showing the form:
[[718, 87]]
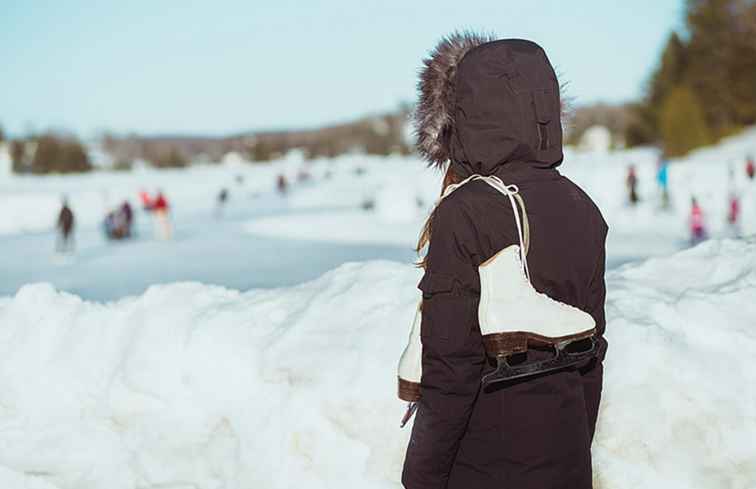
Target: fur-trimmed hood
[[484, 103]]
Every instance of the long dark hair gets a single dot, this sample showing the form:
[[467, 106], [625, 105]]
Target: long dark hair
[[450, 178]]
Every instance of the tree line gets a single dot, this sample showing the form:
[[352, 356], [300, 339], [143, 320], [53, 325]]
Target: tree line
[[704, 86], [382, 134], [49, 153]]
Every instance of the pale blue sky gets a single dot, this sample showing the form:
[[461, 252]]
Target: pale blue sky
[[222, 66]]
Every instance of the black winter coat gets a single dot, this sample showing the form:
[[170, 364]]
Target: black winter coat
[[535, 433]]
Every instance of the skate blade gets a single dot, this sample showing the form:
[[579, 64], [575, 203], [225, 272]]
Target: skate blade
[[411, 408], [563, 360]]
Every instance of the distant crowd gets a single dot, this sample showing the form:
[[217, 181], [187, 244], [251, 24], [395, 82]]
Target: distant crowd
[[696, 222], [119, 223]]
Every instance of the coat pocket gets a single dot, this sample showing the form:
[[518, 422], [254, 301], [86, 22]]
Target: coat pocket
[[447, 308]]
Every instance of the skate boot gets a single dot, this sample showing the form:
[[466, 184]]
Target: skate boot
[[410, 363], [411, 368], [514, 316]]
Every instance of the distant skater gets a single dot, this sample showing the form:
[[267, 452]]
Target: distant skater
[[221, 202], [118, 223], [632, 185], [733, 204], [162, 217], [282, 184], [662, 178], [65, 227], [750, 168], [697, 228], [146, 200], [128, 216], [733, 214]]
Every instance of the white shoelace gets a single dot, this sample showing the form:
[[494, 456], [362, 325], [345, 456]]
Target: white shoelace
[[515, 199]]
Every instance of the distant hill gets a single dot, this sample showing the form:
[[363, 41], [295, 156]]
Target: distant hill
[[378, 134]]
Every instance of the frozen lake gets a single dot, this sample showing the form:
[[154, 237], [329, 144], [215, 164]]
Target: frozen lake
[[206, 250]]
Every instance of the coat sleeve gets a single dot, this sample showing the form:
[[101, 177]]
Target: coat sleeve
[[592, 374], [453, 354], [597, 287]]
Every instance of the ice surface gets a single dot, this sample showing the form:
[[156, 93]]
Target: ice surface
[[205, 247], [196, 386]]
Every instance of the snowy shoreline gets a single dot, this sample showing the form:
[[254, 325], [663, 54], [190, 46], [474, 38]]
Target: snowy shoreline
[[191, 385]]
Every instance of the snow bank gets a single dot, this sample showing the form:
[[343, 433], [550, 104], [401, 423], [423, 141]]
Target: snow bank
[[204, 387], [680, 387], [197, 386]]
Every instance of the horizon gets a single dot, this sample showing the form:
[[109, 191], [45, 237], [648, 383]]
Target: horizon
[[223, 69]]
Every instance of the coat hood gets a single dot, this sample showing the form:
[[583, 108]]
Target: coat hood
[[486, 103]]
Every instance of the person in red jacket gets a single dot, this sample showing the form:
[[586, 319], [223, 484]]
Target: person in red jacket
[[733, 214], [697, 228], [162, 215], [750, 168], [146, 200]]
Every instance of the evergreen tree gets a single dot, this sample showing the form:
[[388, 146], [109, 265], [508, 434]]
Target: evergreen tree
[[715, 60], [710, 23], [742, 64], [46, 155], [58, 155], [172, 158], [671, 70], [262, 151], [682, 122], [73, 158], [644, 129], [18, 156]]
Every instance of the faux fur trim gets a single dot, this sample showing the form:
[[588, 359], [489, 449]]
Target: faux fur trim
[[433, 118]]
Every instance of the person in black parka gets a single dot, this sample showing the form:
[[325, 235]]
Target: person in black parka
[[492, 107]]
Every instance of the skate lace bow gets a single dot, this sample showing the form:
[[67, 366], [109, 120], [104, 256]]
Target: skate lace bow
[[515, 199]]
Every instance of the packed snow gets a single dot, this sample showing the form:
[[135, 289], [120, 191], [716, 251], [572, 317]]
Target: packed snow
[[192, 385]]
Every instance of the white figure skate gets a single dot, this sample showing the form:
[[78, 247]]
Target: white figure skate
[[411, 367], [513, 315], [410, 363]]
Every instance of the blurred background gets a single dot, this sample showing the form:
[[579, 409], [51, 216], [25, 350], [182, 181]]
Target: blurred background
[[260, 144]]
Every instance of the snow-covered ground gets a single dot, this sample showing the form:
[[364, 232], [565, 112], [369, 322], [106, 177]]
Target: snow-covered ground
[[195, 386]]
